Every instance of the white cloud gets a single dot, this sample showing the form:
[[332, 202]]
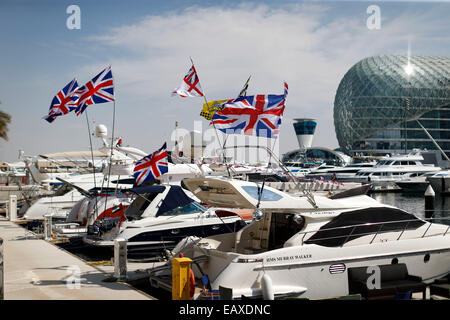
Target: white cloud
[[305, 45], [310, 46]]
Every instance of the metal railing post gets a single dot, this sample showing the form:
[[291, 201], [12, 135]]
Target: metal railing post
[[446, 231], [379, 229], [403, 231], [429, 225], [346, 239]]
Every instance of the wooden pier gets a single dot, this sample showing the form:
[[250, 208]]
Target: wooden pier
[[35, 269]]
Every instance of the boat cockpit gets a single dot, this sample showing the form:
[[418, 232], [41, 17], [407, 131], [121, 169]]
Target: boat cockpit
[[277, 230]]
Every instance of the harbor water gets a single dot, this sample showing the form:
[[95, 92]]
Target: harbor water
[[415, 203]]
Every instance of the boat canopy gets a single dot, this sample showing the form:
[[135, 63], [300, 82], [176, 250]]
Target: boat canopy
[[232, 193], [173, 199], [147, 189], [74, 154]]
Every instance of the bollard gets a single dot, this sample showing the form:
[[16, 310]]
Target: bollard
[[1, 270], [12, 207], [120, 259], [7, 210], [181, 268], [47, 227], [429, 202]]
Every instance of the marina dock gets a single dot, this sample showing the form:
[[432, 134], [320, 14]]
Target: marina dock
[[35, 269]]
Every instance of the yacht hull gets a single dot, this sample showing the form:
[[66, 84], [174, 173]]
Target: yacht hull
[[413, 187], [440, 184], [157, 238], [316, 272]]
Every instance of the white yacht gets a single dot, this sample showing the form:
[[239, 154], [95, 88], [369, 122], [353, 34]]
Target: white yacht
[[70, 192], [159, 217], [396, 168], [348, 172], [89, 208], [306, 248], [415, 182], [116, 174], [322, 171], [440, 181]]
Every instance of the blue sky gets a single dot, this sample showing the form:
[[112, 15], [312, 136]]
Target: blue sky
[[309, 44]]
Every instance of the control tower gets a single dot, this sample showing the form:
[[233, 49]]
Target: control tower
[[304, 129]]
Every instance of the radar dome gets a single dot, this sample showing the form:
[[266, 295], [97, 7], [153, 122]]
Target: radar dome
[[101, 131]]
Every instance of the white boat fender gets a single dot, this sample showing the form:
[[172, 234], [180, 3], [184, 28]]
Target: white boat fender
[[267, 287]]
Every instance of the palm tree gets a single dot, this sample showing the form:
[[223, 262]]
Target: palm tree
[[5, 119]]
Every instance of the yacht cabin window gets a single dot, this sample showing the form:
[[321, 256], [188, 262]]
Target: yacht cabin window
[[385, 162], [354, 224]]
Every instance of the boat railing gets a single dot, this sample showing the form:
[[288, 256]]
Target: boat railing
[[378, 231]]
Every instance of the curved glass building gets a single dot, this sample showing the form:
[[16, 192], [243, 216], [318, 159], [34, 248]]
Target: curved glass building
[[296, 158], [380, 98]]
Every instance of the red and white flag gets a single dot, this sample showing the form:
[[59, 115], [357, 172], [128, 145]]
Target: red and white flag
[[190, 86]]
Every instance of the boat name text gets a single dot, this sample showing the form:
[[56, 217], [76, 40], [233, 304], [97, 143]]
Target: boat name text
[[289, 258]]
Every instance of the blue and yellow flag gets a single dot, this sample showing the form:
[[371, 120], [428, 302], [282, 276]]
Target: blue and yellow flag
[[212, 106]]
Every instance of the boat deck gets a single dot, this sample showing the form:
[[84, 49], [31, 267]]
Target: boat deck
[[38, 270]]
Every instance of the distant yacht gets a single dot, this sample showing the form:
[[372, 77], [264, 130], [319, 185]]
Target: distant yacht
[[396, 168], [416, 182], [440, 182], [339, 173]]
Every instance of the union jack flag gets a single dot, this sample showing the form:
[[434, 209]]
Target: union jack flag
[[152, 166], [99, 90], [190, 86], [62, 100], [258, 115]]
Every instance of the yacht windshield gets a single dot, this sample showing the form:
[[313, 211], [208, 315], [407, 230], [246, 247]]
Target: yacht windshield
[[192, 207], [267, 195], [138, 206], [63, 189]]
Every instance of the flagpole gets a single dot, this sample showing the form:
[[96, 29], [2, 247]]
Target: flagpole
[[207, 106], [244, 90], [112, 140], [90, 143], [260, 191], [92, 157], [112, 144]]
